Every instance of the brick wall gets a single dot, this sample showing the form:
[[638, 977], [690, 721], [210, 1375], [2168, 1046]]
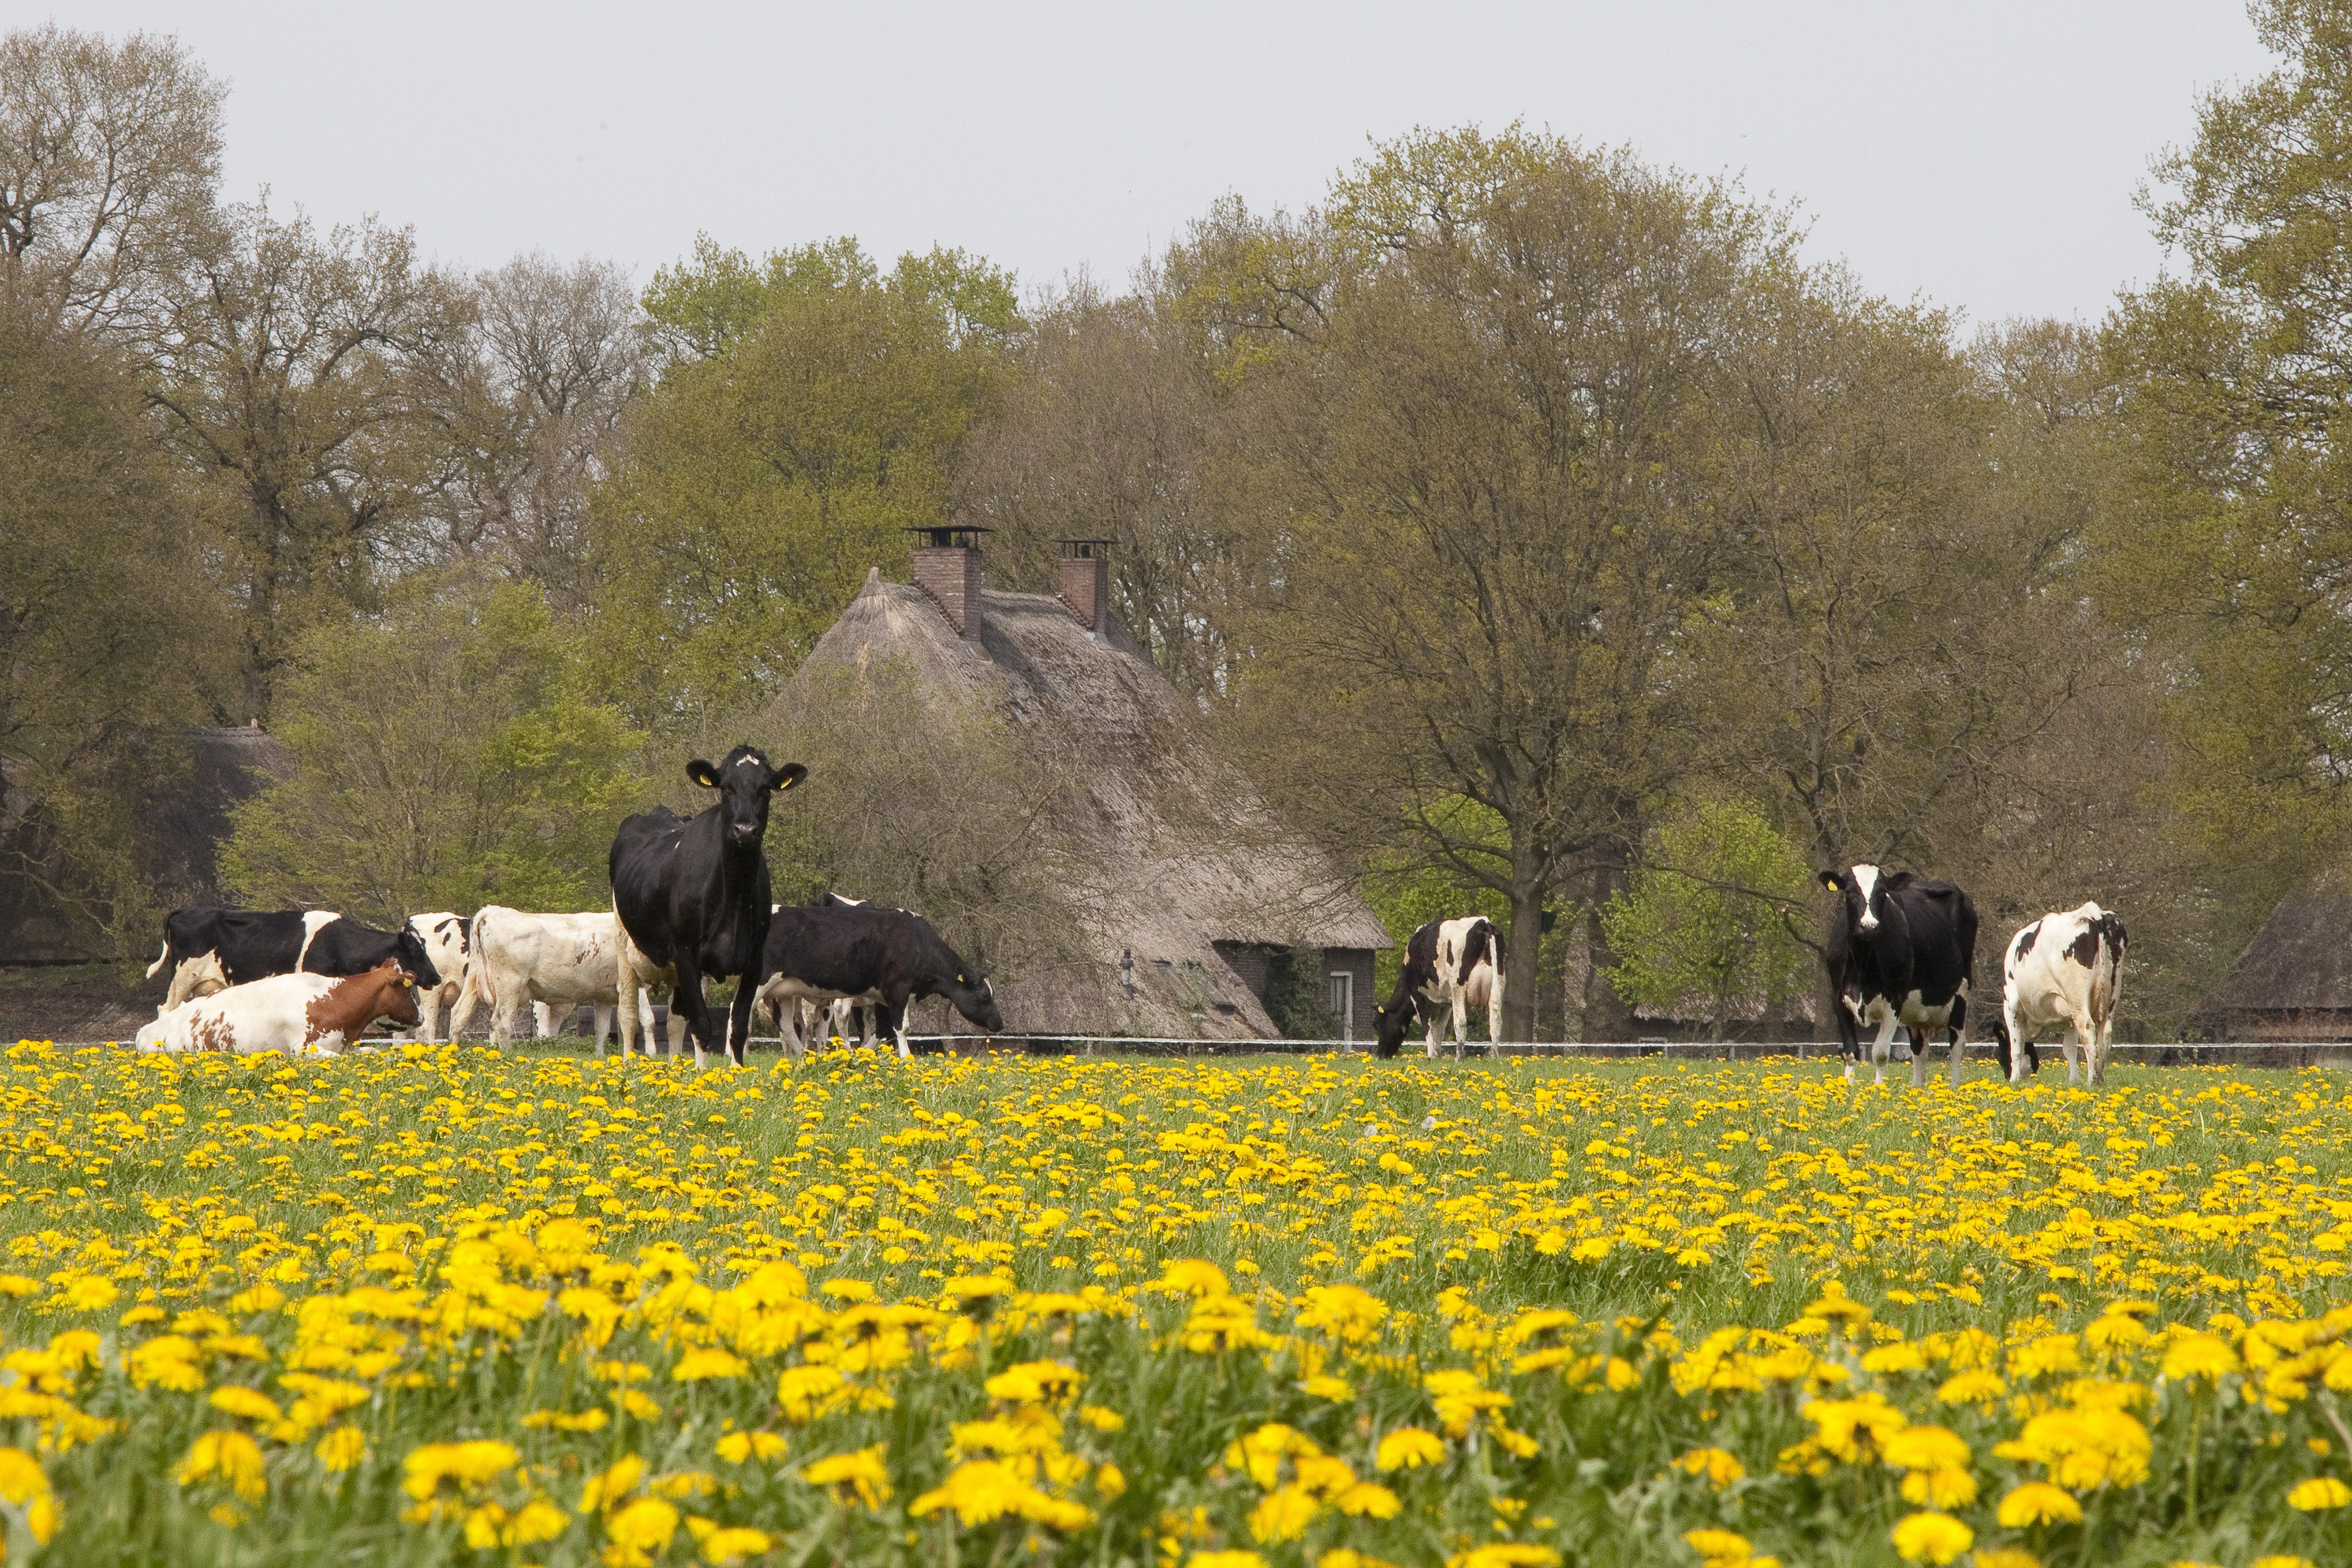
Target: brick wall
[[951, 576]]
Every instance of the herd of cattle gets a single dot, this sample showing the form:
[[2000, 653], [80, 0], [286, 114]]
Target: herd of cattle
[[1901, 954], [690, 903]]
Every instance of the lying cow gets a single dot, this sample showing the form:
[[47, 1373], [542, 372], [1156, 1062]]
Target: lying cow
[[2061, 972], [546, 961], [1450, 967], [1900, 951], [245, 946], [827, 954], [290, 1013]]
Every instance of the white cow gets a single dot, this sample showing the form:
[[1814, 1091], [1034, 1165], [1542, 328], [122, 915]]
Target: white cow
[[449, 943], [290, 1012], [639, 976], [2062, 970], [546, 960]]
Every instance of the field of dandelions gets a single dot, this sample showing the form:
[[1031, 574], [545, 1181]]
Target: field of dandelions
[[438, 1305]]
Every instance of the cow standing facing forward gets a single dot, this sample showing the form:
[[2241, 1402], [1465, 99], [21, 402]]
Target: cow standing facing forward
[[692, 894], [2062, 972], [1900, 951], [1453, 965]]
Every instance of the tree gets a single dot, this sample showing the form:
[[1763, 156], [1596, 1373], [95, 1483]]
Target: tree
[[1710, 920], [757, 482], [447, 754], [109, 157], [922, 805], [534, 393], [1112, 425], [106, 638], [2229, 557], [289, 367], [1499, 533]]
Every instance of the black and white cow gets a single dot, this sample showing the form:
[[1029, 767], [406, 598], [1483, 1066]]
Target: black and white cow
[[825, 953], [692, 895], [238, 946], [2061, 972], [1454, 964], [1900, 951], [449, 943]]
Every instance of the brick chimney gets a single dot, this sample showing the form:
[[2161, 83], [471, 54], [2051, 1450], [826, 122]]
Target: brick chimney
[[946, 567], [1085, 580]]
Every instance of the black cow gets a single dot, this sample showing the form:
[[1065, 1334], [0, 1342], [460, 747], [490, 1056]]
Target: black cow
[[1901, 951], [693, 894], [1450, 967], [214, 948], [830, 951]]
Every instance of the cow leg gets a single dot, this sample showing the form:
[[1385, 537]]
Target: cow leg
[[600, 1018], [1918, 1058], [469, 997], [739, 1022], [1959, 1033], [894, 1010], [1881, 1048], [542, 1020], [686, 997]]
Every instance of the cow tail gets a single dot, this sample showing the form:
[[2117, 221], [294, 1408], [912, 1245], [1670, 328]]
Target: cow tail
[[478, 972], [1495, 999], [157, 967]]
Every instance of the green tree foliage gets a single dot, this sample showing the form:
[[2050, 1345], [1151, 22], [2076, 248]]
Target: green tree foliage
[[1711, 924], [808, 415], [2232, 557], [447, 753], [105, 645]]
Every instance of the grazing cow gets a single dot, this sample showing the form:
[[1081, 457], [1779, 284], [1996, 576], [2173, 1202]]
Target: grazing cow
[[253, 945], [693, 895], [545, 960], [1901, 951], [2062, 970], [1454, 965], [825, 953], [290, 1013], [449, 946]]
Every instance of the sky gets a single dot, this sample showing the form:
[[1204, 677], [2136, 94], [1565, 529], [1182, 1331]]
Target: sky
[[1982, 157]]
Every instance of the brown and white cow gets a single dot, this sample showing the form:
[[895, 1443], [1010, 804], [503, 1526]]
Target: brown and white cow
[[2063, 971], [291, 1013]]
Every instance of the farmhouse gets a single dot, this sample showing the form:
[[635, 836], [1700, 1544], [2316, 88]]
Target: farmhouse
[[1193, 896], [2294, 982]]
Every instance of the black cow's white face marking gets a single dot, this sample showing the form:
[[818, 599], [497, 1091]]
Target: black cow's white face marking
[[1865, 894], [744, 781]]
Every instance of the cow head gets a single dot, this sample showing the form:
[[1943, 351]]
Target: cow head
[[395, 999], [976, 1000], [1865, 902], [408, 952], [1389, 1021], [744, 781]]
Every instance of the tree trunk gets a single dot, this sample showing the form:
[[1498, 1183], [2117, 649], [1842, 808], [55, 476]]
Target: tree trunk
[[1606, 1016], [1522, 953]]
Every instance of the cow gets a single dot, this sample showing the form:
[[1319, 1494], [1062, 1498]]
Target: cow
[[1449, 966], [1901, 951], [548, 960], [693, 895], [253, 945], [827, 952], [290, 1012], [448, 943], [2061, 971]]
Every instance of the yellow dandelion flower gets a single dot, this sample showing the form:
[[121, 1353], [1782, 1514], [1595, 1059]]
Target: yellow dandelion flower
[[1936, 1538], [2318, 1493], [341, 1448], [1408, 1447], [2038, 1503], [1719, 1466]]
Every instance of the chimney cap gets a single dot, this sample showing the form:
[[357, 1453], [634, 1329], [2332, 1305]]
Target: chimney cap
[[949, 535], [1086, 549]]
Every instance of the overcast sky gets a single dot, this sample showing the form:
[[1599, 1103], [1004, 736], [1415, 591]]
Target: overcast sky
[[1982, 155]]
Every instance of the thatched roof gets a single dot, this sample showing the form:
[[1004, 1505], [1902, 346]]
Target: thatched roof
[[1179, 850], [2301, 958]]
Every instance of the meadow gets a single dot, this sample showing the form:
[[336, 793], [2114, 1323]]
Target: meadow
[[436, 1304]]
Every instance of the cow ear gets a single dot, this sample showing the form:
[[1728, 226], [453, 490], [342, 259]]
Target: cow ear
[[703, 774], [787, 776], [1832, 881]]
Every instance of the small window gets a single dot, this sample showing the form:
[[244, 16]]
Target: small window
[[1340, 1002]]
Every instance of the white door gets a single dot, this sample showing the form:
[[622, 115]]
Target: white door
[[1341, 1004]]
